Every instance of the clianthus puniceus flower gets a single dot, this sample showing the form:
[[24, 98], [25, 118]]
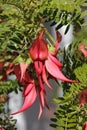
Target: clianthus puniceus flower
[[45, 64]]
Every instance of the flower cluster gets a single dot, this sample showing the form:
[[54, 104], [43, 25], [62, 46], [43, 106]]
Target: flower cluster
[[44, 65]]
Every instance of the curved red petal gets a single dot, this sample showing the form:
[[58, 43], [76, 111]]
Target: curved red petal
[[29, 100], [38, 66], [45, 78], [41, 86], [53, 69], [27, 89], [54, 59], [23, 68], [42, 101]]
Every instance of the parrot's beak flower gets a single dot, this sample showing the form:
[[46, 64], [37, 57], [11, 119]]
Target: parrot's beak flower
[[45, 64]]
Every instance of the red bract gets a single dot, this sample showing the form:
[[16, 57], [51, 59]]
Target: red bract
[[84, 126], [83, 49]]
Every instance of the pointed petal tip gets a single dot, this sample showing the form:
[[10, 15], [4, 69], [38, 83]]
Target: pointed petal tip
[[17, 112], [54, 70]]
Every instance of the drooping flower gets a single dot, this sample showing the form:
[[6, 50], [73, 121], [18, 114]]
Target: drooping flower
[[45, 64], [29, 93], [83, 49], [51, 63]]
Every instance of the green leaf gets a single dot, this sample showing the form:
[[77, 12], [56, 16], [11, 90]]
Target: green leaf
[[67, 29], [84, 14], [59, 26], [18, 59]]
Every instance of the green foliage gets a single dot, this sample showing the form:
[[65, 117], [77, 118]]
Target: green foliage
[[66, 12], [69, 114], [72, 56], [20, 23], [19, 29], [9, 86], [7, 122]]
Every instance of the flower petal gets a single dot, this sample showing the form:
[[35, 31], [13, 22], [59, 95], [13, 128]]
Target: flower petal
[[39, 49], [29, 100], [42, 101], [54, 70], [23, 68], [54, 59], [41, 86], [45, 78], [38, 66], [40, 111], [27, 89]]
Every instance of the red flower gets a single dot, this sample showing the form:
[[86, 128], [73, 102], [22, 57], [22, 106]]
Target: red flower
[[84, 126], [83, 97], [83, 49], [1, 128], [44, 64], [29, 93]]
